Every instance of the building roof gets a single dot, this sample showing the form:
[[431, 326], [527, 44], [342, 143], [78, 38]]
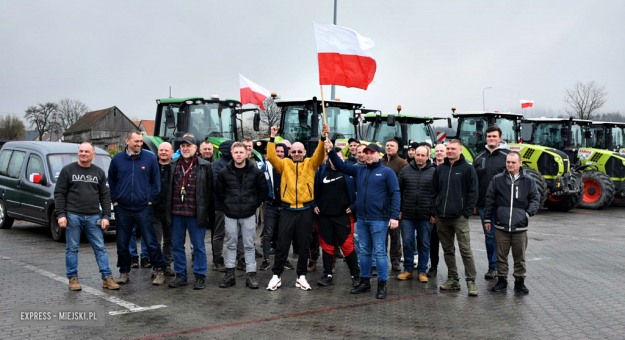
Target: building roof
[[148, 126], [88, 120]]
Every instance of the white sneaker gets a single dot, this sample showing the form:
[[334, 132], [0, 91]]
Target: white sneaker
[[275, 283], [302, 283]]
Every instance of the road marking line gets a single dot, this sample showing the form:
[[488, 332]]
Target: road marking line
[[131, 307]]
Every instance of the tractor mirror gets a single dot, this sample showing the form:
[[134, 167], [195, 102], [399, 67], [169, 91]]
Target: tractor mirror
[[449, 122], [302, 115], [480, 125], [257, 121], [170, 122], [390, 120], [587, 134]]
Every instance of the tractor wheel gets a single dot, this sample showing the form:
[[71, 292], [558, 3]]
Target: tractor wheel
[[618, 202], [598, 190], [541, 185]]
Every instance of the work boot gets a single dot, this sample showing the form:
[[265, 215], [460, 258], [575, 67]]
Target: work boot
[[423, 277], [502, 284], [363, 287], [251, 281], [355, 281], [178, 281], [312, 266], [432, 272], [229, 280], [159, 277], [264, 265], [405, 276], [145, 263], [396, 267], [472, 287], [288, 265], [491, 274], [109, 282], [74, 284], [519, 285], [381, 290], [451, 284], [134, 262], [325, 280], [218, 264], [241, 264], [123, 278], [168, 271], [199, 282]]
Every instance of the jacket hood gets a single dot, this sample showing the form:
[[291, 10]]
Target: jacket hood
[[502, 146], [286, 148], [224, 148]]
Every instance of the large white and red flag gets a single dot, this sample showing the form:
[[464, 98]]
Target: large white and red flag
[[252, 93], [344, 57], [526, 103]]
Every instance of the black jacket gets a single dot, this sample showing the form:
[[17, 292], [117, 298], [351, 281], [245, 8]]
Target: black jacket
[[221, 163], [513, 200], [488, 164], [241, 199], [455, 189], [203, 190], [415, 186], [161, 201]]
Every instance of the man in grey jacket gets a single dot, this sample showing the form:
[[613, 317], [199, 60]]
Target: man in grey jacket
[[514, 198]]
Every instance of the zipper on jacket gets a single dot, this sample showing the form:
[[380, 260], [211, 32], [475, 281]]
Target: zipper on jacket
[[447, 195], [296, 179], [511, 202], [366, 187]]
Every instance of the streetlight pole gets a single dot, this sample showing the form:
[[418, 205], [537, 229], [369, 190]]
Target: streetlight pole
[[332, 95], [483, 99]]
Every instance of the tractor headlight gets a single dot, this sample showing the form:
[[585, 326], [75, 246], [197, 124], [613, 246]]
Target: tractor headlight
[[557, 159]]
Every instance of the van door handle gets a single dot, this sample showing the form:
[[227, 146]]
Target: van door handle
[[19, 183]]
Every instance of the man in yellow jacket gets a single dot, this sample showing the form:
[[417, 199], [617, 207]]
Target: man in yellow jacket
[[297, 194]]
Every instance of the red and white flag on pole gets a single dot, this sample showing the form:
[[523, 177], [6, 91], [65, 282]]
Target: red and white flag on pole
[[526, 103], [252, 93], [343, 56]]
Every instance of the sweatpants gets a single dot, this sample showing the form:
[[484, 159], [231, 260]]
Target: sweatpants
[[337, 230], [295, 227], [247, 228]]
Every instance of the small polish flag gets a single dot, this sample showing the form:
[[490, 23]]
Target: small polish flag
[[252, 93], [343, 56], [526, 103], [34, 178], [440, 136]]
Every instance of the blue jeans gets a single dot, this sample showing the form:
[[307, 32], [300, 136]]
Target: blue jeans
[[133, 245], [423, 228], [76, 224], [491, 250], [179, 226], [372, 236], [125, 220]]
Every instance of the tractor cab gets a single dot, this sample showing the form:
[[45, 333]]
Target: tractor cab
[[567, 135], [405, 129], [302, 120], [606, 135]]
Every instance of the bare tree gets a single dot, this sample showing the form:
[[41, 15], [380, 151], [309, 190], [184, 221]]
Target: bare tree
[[584, 99], [11, 128], [69, 111], [272, 113], [41, 117]]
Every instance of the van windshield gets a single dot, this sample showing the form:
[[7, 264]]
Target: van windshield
[[59, 160]]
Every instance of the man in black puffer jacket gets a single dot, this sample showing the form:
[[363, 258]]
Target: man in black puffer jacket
[[415, 185], [514, 198], [219, 232], [241, 189]]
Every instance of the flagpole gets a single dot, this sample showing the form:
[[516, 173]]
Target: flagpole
[[323, 107]]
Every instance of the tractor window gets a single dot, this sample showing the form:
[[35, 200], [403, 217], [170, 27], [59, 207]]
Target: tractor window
[[617, 136], [549, 134], [419, 133], [292, 129], [577, 137], [385, 132], [597, 137], [471, 137], [163, 130], [210, 120], [341, 123], [508, 129]]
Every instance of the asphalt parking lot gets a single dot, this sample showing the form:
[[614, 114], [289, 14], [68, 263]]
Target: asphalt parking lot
[[576, 272]]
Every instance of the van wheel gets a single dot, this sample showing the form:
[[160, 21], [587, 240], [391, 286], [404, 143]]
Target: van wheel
[[6, 222], [58, 233]]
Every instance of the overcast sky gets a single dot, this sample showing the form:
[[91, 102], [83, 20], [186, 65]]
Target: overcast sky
[[431, 55]]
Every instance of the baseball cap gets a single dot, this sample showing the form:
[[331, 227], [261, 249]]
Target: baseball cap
[[414, 145], [373, 147], [188, 139], [353, 140]]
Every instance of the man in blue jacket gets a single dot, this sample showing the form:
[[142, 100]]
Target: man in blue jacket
[[377, 203], [335, 206], [135, 183]]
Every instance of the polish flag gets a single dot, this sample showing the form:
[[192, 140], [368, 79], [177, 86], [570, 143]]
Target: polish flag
[[343, 56], [252, 93], [526, 103]]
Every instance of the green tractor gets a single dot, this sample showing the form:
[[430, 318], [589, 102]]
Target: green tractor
[[559, 185], [301, 121], [210, 119], [405, 129]]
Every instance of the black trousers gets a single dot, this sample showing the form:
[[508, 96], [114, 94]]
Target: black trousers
[[295, 227], [337, 230], [271, 225], [434, 245], [395, 251]]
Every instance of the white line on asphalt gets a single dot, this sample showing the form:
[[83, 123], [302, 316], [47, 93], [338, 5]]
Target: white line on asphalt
[[537, 259], [131, 307]]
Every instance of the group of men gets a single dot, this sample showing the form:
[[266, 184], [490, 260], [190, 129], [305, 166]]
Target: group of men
[[354, 204]]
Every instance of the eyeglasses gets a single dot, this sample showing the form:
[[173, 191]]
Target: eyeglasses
[[298, 151]]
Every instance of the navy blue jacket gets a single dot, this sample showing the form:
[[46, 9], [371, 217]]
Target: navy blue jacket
[[349, 181], [378, 196], [134, 183]]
